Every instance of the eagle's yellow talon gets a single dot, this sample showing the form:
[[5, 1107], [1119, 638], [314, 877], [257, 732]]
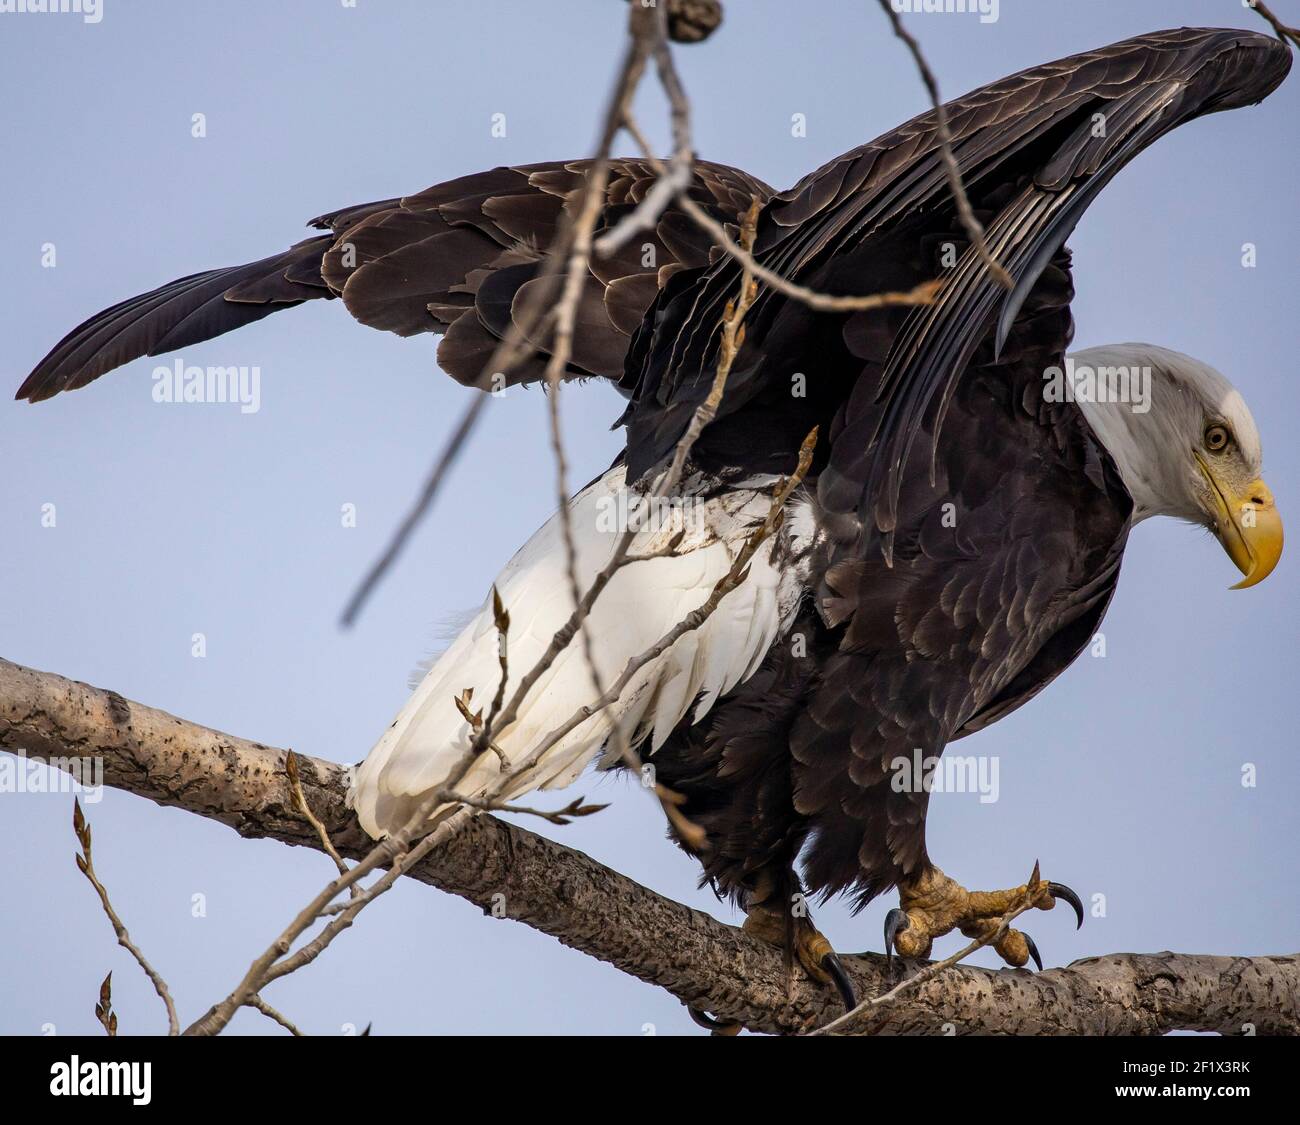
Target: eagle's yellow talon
[[931, 905]]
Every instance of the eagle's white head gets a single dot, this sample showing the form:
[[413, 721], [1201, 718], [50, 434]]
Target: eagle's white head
[[1185, 444]]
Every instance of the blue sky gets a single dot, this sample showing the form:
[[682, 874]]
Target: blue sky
[[1124, 777]]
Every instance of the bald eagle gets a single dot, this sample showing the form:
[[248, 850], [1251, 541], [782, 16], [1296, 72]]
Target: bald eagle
[[953, 546]]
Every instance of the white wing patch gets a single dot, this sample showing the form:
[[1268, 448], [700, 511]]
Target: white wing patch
[[642, 602]]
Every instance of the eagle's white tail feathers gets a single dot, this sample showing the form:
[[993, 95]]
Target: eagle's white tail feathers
[[643, 601]]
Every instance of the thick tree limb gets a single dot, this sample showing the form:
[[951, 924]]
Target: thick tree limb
[[590, 908]]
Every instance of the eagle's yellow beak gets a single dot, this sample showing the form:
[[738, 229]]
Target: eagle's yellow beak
[[1248, 526]]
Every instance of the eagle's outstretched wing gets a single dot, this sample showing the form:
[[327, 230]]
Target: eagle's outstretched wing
[[454, 259], [966, 559], [1034, 149]]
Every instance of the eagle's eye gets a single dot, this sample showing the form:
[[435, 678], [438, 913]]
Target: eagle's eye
[[1217, 438]]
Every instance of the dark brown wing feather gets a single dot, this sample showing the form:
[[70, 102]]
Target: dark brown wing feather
[[457, 258], [189, 310]]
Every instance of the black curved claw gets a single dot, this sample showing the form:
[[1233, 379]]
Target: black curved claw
[[718, 1027], [833, 965], [895, 922], [1060, 890], [1033, 951]]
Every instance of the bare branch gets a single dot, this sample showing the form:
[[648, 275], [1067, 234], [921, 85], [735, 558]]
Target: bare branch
[[256, 1001], [597, 911], [674, 181], [650, 32], [733, 336], [85, 864], [696, 617], [300, 802], [922, 294], [566, 815], [969, 222], [1286, 34], [573, 244], [432, 485], [664, 486], [501, 619], [534, 310]]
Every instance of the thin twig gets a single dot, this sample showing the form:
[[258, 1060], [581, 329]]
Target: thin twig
[[300, 801], [732, 337], [418, 510], [87, 867], [482, 727], [566, 815], [291, 963], [698, 616], [969, 222], [670, 183], [535, 308], [922, 294], [256, 1001], [501, 619], [1286, 34], [619, 558], [651, 32]]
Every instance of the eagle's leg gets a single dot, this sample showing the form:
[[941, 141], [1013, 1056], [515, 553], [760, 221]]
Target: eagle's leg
[[773, 920], [778, 923], [932, 905]]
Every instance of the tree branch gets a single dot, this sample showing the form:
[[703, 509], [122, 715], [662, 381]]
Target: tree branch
[[1282, 31], [86, 865], [588, 907], [974, 229]]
